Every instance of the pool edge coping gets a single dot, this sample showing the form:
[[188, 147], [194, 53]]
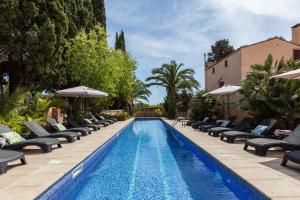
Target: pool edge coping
[[116, 134], [219, 162]]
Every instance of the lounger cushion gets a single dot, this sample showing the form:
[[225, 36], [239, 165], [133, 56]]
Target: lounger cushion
[[225, 123], [12, 137], [264, 142], [88, 121], [259, 130], [60, 127], [220, 129], [234, 133]]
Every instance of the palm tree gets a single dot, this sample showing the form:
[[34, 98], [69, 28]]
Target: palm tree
[[140, 92], [172, 77], [266, 97]]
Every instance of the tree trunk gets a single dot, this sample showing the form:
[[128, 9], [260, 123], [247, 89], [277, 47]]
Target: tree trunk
[[171, 104], [16, 76]]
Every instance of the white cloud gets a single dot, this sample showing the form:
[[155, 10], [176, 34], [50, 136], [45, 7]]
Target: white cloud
[[158, 31]]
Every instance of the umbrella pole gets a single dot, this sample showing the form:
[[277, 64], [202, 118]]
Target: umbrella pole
[[228, 105]]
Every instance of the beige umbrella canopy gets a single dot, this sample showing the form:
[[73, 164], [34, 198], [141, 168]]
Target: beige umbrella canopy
[[81, 91], [225, 90], [294, 74]]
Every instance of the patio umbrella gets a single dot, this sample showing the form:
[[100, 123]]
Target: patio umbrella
[[81, 92], [294, 74], [225, 90]]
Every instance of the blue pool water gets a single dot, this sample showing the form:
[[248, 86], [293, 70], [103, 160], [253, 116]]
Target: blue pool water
[[151, 160]]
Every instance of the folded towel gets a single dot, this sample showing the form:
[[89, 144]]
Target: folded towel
[[2, 142], [279, 132]]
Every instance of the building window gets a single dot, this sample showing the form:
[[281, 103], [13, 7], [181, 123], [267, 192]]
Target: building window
[[296, 54], [221, 84], [226, 63], [213, 70]]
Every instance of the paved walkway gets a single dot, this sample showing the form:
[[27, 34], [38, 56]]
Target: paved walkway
[[265, 173], [28, 181]]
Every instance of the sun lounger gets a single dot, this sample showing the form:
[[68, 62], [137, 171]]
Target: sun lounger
[[262, 145], [242, 126], [44, 143], [196, 125], [40, 132], [74, 124], [102, 117], [7, 156], [225, 123], [293, 156], [94, 120], [83, 130], [259, 132]]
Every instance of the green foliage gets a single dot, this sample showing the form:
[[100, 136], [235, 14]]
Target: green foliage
[[203, 106], [99, 11], [24, 106], [140, 92], [92, 63], [33, 34], [122, 117], [219, 50], [173, 78], [120, 42], [143, 110], [266, 97]]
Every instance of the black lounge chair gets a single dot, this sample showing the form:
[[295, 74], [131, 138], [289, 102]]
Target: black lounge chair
[[74, 124], [83, 130], [40, 132], [244, 125], [44, 143], [94, 120], [190, 122], [232, 135], [225, 124], [7, 156], [262, 145], [196, 125], [102, 117], [293, 156]]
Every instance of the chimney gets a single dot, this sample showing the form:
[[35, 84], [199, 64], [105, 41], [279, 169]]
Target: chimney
[[296, 34]]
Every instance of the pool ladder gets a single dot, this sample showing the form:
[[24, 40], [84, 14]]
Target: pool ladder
[[180, 118], [176, 121]]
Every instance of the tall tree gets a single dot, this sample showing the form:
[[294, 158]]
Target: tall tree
[[33, 35], [99, 11], [120, 42], [219, 50], [172, 77]]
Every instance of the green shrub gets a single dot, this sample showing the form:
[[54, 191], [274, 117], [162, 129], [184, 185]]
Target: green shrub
[[15, 122], [203, 106], [23, 106], [122, 117]]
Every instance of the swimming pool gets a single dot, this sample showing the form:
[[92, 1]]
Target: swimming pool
[[149, 159]]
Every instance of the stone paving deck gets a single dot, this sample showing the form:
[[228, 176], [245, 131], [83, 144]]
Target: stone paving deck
[[28, 181], [265, 173]]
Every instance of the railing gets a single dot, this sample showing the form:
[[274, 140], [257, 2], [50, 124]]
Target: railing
[[181, 117]]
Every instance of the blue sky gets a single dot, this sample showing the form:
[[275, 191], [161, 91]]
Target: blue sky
[[157, 31]]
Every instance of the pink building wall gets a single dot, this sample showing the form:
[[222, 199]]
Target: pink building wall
[[239, 64]]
